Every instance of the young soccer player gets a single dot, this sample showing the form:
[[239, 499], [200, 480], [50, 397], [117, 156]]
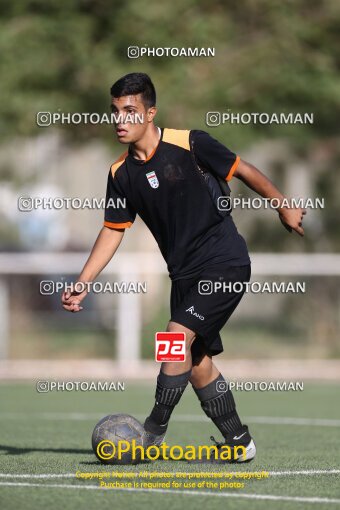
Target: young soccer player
[[172, 179]]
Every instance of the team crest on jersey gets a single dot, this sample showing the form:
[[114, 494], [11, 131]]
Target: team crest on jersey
[[152, 178]]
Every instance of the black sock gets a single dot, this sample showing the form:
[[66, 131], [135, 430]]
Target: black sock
[[218, 404], [168, 393]]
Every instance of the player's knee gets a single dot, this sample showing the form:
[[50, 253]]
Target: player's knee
[[179, 328], [188, 346]]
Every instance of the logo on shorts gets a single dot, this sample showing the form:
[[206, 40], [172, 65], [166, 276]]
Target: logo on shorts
[[170, 346], [153, 181], [195, 314]]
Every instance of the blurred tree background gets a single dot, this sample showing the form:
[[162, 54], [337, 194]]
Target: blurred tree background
[[271, 56]]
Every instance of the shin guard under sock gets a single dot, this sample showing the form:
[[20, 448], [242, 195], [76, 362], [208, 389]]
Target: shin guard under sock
[[218, 403], [168, 393]]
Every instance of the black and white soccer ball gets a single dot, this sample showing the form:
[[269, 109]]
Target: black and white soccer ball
[[114, 428]]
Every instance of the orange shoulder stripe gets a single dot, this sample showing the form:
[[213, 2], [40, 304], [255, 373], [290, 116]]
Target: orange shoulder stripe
[[179, 137], [118, 163]]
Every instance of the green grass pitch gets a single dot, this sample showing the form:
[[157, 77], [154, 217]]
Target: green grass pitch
[[49, 434]]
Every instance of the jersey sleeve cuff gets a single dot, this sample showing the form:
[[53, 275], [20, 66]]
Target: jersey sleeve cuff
[[109, 224], [233, 168]]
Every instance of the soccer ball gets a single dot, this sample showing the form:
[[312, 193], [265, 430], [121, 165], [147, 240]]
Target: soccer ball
[[112, 429]]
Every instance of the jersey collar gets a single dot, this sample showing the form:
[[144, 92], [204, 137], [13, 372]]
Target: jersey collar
[[144, 161]]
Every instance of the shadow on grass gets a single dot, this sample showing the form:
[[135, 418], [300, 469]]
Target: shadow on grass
[[98, 463], [14, 450]]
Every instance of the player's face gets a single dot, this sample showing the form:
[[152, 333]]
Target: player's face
[[133, 117]]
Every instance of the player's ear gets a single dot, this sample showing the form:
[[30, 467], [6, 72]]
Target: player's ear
[[151, 113]]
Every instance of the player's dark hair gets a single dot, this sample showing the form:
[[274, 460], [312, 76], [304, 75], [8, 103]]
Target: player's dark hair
[[135, 83]]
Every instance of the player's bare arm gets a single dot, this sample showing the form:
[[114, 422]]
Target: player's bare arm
[[291, 218], [102, 252]]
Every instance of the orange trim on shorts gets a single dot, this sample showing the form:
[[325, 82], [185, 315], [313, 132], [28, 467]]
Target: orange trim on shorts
[[233, 168]]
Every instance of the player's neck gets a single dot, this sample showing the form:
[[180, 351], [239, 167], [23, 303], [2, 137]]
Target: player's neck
[[147, 145]]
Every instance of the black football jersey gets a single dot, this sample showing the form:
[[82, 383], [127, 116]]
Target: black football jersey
[[175, 192]]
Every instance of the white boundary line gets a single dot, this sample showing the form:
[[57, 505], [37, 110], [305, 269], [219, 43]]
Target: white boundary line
[[270, 497], [264, 420], [317, 422], [306, 472]]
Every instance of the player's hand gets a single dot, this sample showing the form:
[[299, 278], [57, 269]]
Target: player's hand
[[71, 300], [291, 219]]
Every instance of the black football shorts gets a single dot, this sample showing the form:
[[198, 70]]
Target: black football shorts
[[205, 303]]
